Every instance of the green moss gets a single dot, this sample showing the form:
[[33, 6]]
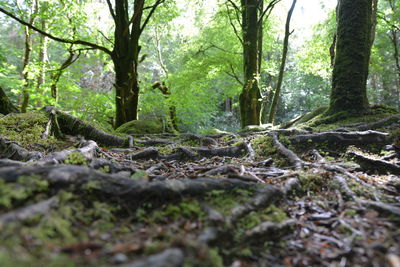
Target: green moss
[[313, 181], [27, 188], [263, 146], [189, 209], [214, 259], [149, 126], [76, 158], [326, 122], [139, 174], [270, 214], [191, 143], [26, 128], [105, 169], [226, 138], [166, 150], [224, 201]]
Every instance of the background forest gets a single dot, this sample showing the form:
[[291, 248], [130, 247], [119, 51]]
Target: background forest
[[193, 47]]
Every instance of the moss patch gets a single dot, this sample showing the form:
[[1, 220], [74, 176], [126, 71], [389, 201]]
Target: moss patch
[[26, 128], [149, 126], [76, 158], [325, 122]]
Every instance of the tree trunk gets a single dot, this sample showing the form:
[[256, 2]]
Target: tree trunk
[[353, 49], [27, 56], [250, 98], [42, 61], [125, 58], [6, 106], [277, 93]]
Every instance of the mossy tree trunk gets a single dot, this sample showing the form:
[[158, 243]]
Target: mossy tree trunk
[[250, 104], [6, 106], [27, 56], [353, 50], [253, 13]]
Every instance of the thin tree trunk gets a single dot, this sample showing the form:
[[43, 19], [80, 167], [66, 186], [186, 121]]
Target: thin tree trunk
[[275, 100], [250, 104], [27, 56], [55, 77], [42, 61]]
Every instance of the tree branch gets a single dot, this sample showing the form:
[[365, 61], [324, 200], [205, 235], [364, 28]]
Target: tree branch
[[110, 7], [268, 9], [55, 38], [234, 75], [153, 9], [233, 26]]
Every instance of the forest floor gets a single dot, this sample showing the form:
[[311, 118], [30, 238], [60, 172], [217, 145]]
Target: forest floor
[[296, 197]]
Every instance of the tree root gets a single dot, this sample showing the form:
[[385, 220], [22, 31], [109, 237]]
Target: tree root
[[265, 196], [376, 165], [379, 124], [268, 231], [377, 205], [21, 214], [193, 153], [343, 138], [62, 176], [12, 150], [290, 155], [172, 257], [74, 126]]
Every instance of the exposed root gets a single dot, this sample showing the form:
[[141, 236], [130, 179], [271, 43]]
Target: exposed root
[[11, 150], [290, 155], [269, 231], [342, 138], [24, 213], [375, 165], [74, 126], [173, 257]]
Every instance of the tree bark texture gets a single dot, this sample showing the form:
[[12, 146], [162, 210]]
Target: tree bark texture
[[42, 59], [27, 56], [353, 50], [6, 106], [250, 104], [125, 58]]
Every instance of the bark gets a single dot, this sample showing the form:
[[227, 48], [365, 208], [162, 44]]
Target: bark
[[353, 49], [63, 176], [250, 104], [277, 93], [172, 257], [11, 150], [343, 138], [42, 59], [40, 208], [375, 165], [27, 56], [6, 106], [74, 126]]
